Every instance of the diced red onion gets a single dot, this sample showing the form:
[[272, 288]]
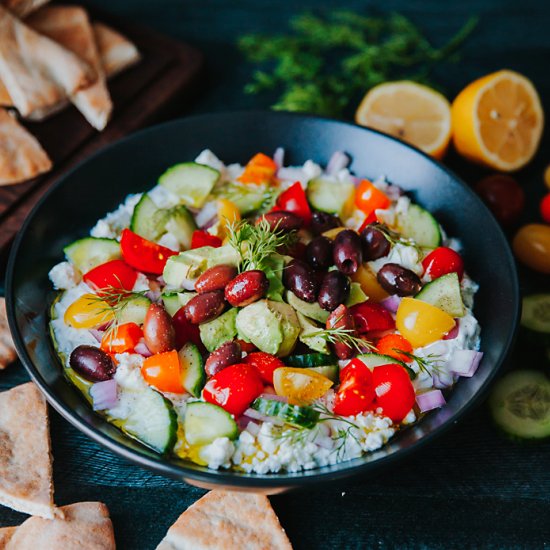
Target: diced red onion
[[207, 214], [142, 349], [274, 397], [430, 400], [153, 295], [279, 157], [442, 379], [97, 334], [104, 395], [465, 362], [337, 162], [391, 303], [255, 415], [453, 333], [161, 280]]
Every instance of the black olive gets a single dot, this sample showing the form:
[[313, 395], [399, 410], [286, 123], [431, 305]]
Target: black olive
[[92, 363], [347, 251], [396, 279], [334, 290], [300, 279], [319, 253]]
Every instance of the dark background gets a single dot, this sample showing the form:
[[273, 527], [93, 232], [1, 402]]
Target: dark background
[[470, 488]]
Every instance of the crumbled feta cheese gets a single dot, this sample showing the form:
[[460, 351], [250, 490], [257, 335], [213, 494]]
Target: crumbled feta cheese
[[208, 158], [64, 275], [468, 289], [113, 223], [218, 453], [311, 170], [141, 284], [162, 197], [404, 255]]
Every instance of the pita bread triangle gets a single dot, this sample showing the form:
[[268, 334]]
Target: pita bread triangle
[[21, 8], [6, 533], [86, 525], [70, 27], [227, 520], [21, 158], [115, 50], [25, 457]]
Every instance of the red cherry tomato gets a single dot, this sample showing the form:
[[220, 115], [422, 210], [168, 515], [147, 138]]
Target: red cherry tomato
[[247, 347], [545, 208], [294, 200], [441, 261], [234, 388], [503, 195], [371, 317], [114, 274], [356, 392], [185, 330], [142, 254], [394, 391], [264, 363], [202, 238]]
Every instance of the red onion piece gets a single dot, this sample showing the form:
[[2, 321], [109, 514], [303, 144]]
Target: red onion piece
[[391, 303], [453, 333], [153, 295], [274, 397], [142, 349], [207, 214], [337, 162], [255, 415], [104, 395], [465, 362], [432, 399], [97, 334], [279, 157]]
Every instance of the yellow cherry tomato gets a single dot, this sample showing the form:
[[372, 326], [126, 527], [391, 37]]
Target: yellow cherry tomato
[[88, 311], [421, 323], [547, 176], [300, 386], [369, 284], [228, 213], [532, 246]]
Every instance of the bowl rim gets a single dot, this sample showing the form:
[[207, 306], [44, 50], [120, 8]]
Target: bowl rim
[[228, 478]]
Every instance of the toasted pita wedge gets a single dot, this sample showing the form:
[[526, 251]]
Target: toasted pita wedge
[[36, 71], [6, 533], [70, 27], [21, 156], [25, 457], [115, 50], [7, 349], [5, 99], [21, 8], [223, 520], [86, 525]]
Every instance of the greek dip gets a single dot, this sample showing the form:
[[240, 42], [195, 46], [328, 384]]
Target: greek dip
[[265, 318]]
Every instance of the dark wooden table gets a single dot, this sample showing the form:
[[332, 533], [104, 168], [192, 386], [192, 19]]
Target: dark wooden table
[[470, 488]]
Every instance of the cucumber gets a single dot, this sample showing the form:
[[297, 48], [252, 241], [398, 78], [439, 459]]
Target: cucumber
[[520, 405], [190, 181], [373, 360], [444, 293], [152, 420], [148, 220], [90, 252], [247, 198], [171, 303], [418, 224], [181, 224], [311, 360], [356, 295], [193, 376], [221, 329], [330, 196], [309, 335], [205, 422], [332, 372], [295, 415], [134, 310], [535, 315], [312, 311]]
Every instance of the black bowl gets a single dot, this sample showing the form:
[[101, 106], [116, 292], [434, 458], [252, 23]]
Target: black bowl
[[98, 185]]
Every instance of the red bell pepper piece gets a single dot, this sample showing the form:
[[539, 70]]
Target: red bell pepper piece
[[142, 254], [294, 200], [202, 238], [115, 274]]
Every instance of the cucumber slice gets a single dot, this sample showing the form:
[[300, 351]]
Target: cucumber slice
[[90, 252], [295, 415], [205, 422], [222, 329], [373, 360], [309, 335], [332, 372], [171, 303], [444, 293], [418, 224], [193, 376], [356, 295], [134, 310], [520, 404], [152, 420], [311, 360], [331, 196], [148, 220], [313, 311], [181, 224], [536, 313], [247, 198], [190, 181]]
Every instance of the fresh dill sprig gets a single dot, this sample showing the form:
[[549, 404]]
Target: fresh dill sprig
[[341, 335], [428, 364], [256, 243]]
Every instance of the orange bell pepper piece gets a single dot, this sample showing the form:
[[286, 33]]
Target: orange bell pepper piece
[[260, 169], [368, 198], [162, 371]]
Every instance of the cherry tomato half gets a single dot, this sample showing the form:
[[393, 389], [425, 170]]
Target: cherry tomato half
[[202, 238], [369, 198], [442, 261], [115, 274], [394, 391], [124, 338], [264, 363], [294, 200], [356, 392], [234, 388], [531, 246], [142, 254], [371, 317], [503, 195], [163, 371], [393, 345], [545, 208], [185, 330]]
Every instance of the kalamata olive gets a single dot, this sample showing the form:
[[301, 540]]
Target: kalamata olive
[[396, 279], [281, 220], [334, 290], [348, 251], [92, 363], [215, 278], [319, 252], [375, 244], [341, 318], [227, 354], [246, 288], [205, 307], [158, 330], [503, 195], [300, 279], [321, 222]]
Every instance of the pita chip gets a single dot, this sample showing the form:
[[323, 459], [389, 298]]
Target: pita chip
[[25, 457], [86, 525], [7, 349], [6, 533], [5, 99], [21, 8], [115, 50], [21, 157], [70, 27], [227, 520]]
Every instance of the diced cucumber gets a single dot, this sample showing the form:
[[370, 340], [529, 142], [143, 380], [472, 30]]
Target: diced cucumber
[[181, 224], [418, 224], [205, 422], [193, 376], [356, 295], [90, 252], [295, 415], [222, 329], [152, 420], [444, 293], [520, 404], [247, 198], [331, 196], [330, 371], [311, 360], [535, 315], [190, 181], [171, 303], [373, 360], [313, 311], [309, 337], [148, 220], [134, 310]]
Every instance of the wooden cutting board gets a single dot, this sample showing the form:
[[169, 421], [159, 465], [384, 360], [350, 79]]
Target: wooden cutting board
[[165, 79]]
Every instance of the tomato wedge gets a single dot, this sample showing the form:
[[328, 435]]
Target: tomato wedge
[[371, 317], [265, 363], [144, 255], [124, 338], [116, 274], [202, 238], [356, 392], [162, 371], [294, 200], [441, 261], [185, 330], [394, 391]]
